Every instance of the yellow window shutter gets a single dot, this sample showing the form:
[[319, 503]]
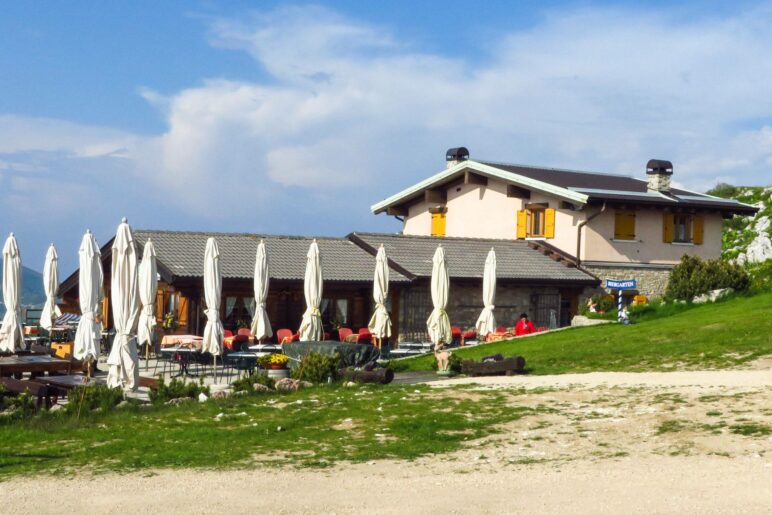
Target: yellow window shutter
[[438, 224], [698, 230], [668, 227], [182, 311], [549, 223], [624, 225], [522, 223]]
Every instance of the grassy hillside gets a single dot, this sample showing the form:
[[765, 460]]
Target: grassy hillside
[[719, 335]]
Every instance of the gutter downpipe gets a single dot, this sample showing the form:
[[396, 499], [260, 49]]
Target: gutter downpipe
[[579, 233]]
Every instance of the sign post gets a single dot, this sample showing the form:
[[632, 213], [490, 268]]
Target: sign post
[[620, 285]]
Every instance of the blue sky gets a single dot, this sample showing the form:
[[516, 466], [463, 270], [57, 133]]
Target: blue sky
[[293, 118]]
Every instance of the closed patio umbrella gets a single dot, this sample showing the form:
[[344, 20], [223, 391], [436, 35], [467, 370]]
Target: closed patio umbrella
[[50, 285], [124, 297], [311, 325], [261, 326], [148, 284], [438, 323], [213, 332], [90, 277], [486, 323], [380, 324], [12, 332]]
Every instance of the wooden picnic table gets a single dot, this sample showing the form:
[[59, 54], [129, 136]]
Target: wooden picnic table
[[68, 382], [36, 364]]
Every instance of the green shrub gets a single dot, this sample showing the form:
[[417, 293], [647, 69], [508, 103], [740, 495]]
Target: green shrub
[[724, 190], [761, 276], [317, 368], [693, 276], [177, 388], [84, 399], [17, 408], [246, 383]]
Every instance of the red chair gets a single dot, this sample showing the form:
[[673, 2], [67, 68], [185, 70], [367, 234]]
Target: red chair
[[326, 336], [227, 333], [455, 333], [343, 333], [469, 335], [245, 331], [284, 336], [501, 329], [365, 336]]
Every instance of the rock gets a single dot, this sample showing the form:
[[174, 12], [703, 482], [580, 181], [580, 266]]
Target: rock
[[219, 394], [57, 407], [123, 404], [287, 385], [350, 384], [583, 321], [306, 384], [202, 397], [712, 296], [262, 388], [178, 401]]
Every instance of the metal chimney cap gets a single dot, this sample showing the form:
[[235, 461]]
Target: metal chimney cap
[[659, 166], [457, 154]]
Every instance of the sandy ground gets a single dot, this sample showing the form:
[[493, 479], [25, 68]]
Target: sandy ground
[[678, 442]]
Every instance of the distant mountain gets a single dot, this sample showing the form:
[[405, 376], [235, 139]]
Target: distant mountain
[[32, 293]]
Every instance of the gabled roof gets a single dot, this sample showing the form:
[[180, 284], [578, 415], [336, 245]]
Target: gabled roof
[[516, 260], [577, 187]]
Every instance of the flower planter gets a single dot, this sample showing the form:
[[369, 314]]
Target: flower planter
[[278, 373]]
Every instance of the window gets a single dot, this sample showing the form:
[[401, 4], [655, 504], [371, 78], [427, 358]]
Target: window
[[624, 225], [438, 224], [536, 222], [683, 228]]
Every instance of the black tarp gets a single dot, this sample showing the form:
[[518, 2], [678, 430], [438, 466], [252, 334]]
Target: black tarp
[[351, 354]]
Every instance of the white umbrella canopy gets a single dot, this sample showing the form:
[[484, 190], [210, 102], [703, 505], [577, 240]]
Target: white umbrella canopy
[[148, 284], [213, 332], [50, 285], [90, 278], [12, 332], [380, 324], [486, 323], [124, 297], [438, 323], [311, 325], [261, 326]]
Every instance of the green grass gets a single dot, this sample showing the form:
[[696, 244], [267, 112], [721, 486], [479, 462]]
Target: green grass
[[720, 335], [319, 427]]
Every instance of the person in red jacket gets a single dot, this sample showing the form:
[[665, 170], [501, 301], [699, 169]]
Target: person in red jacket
[[524, 326]]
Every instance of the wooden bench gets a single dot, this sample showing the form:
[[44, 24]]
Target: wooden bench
[[508, 366], [45, 396]]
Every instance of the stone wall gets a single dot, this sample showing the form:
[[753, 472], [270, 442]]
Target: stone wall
[[652, 281], [465, 304]]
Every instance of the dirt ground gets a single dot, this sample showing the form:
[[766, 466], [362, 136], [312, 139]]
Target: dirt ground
[[678, 442]]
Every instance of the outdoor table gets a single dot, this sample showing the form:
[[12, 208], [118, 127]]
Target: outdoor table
[[265, 348], [189, 341], [33, 363], [69, 382], [228, 340], [248, 358], [183, 356]]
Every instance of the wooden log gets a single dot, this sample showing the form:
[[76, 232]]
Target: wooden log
[[509, 366], [378, 375]]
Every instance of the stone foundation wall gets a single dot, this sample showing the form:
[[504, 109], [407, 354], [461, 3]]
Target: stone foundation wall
[[652, 282]]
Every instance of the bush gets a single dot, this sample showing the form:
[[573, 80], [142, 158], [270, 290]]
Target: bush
[[17, 408], [161, 393], [317, 368], [246, 383], [761, 276], [693, 276], [84, 399]]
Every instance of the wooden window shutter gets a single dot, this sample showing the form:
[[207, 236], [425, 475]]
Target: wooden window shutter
[[182, 311], [624, 225], [522, 223], [438, 224], [549, 223], [698, 230], [668, 227]]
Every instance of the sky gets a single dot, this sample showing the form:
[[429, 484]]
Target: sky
[[294, 118]]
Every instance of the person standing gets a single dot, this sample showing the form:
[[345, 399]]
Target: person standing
[[524, 326]]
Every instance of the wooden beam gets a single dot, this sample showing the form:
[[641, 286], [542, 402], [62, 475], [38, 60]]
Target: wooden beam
[[473, 178], [397, 211], [435, 196], [517, 192]]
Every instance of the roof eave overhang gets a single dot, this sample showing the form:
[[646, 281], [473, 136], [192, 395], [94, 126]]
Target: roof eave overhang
[[486, 171]]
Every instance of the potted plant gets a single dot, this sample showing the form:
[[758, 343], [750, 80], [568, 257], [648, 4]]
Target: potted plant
[[169, 323], [276, 364]]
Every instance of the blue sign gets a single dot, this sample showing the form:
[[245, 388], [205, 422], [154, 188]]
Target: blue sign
[[626, 284]]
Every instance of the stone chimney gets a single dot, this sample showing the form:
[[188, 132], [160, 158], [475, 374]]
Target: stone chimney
[[659, 173], [455, 155]]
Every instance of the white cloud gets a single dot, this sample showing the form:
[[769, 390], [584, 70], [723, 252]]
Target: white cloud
[[348, 114]]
